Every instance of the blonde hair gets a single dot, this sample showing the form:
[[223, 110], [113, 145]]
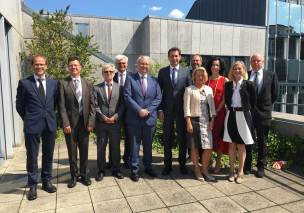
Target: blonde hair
[[242, 64], [108, 66], [200, 69]]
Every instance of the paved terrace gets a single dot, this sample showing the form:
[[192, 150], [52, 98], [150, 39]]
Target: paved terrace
[[278, 192]]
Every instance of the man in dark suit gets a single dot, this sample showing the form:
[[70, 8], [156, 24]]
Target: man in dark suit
[[77, 109], [36, 102], [173, 80], [142, 97], [120, 77], [109, 111], [267, 92]]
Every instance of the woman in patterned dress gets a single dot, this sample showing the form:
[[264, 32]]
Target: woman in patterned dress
[[199, 113]]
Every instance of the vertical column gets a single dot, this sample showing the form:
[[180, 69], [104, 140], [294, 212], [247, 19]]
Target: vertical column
[[283, 105], [295, 102]]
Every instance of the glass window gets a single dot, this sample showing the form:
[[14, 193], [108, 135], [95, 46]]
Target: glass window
[[281, 69], [82, 28], [281, 47], [301, 77], [272, 12], [293, 70]]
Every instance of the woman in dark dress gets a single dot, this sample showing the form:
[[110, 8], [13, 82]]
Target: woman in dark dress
[[240, 100]]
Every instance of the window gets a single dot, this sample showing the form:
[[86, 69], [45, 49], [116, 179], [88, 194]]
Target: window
[[82, 28]]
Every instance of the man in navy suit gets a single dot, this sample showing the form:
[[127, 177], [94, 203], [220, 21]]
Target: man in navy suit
[[142, 97], [121, 62], [267, 92], [173, 80], [36, 103]]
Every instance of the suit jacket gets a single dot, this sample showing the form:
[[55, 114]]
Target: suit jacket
[[172, 99], [104, 108], [135, 100], [33, 109], [247, 93], [68, 104], [267, 96], [115, 79]]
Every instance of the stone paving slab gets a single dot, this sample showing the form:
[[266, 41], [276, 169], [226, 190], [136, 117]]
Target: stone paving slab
[[277, 192]]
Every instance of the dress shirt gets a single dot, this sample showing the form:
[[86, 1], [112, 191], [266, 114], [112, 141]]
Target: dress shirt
[[145, 79], [124, 74], [106, 88], [259, 78], [176, 72], [236, 97], [42, 80], [79, 81]]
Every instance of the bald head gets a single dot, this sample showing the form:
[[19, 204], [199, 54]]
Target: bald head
[[257, 61]]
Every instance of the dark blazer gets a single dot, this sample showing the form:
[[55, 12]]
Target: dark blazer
[[267, 96], [247, 93], [68, 104], [135, 100], [172, 97], [103, 107], [33, 109], [115, 79]]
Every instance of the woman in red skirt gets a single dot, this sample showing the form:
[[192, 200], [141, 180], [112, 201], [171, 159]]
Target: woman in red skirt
[[215, 69]]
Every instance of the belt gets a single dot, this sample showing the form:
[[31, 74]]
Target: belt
[[236, 109]]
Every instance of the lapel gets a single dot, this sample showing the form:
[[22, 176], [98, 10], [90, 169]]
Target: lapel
[[48, 88], [115, 89], [167, 76], [34, 85], [179, 75], [115, 79], [71, 86], [264, 81], [103, 92], [243, 90], [150, 85], [85, 91]]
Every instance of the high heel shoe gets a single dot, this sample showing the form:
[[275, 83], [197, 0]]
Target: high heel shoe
[[198, 174]]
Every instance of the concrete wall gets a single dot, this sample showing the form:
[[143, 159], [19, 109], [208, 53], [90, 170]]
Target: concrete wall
[[11, 44]]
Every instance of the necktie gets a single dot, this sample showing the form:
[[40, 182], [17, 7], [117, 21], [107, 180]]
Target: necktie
[[256, 81], [78, 93], [109, 91], [173, 76], [143, 85], [121, 80], [41, 88]]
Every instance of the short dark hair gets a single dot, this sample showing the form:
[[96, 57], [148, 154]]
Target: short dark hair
[[222, 65], [38, 56], [173, 49], [74, 58]]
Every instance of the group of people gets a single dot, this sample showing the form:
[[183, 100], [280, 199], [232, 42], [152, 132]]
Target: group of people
[[206, 110]]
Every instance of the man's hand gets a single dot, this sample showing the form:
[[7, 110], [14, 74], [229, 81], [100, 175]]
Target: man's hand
[[67, 130], [112, 120], [143, 113], [161, 116]]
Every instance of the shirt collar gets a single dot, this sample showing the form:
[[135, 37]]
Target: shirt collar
[[142, 76], [37, 77], [77, 78], [111, 83], [176, 67], [259, 71], [122, 73], [238, 83]]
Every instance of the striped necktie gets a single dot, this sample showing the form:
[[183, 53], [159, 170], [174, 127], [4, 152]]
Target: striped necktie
[[78, 93]]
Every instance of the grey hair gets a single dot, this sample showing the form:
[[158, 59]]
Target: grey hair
[[108, 66], [121, 57], [143, 57]]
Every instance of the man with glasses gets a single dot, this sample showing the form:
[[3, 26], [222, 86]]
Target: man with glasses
[[109, 111], [36, 103], [77, 109]]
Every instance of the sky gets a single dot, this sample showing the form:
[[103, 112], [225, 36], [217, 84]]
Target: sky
[[133, 9]]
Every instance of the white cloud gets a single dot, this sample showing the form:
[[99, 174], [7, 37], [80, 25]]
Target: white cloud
[[176, 13], [155, 8]]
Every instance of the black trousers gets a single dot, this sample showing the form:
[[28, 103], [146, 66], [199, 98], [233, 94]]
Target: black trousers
[[32, 142], [261, 143], [78, 138], [127, 145], [168, 129], [108, 134]]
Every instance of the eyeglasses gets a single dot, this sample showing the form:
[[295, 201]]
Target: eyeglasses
[[39, 65], [108, 71]]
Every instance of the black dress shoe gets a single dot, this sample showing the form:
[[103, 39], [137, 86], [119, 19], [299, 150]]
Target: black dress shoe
[[85, 181], [72, 182], [32, 193], [135, 177], [48, 187], [183, 170], [260, 173], [150, 172], [118, 175], [99, 176], [166, 171]]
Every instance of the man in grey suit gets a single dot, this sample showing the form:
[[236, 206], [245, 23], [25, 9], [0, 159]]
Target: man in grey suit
[[109, 110], [173, 80], [77, 109]]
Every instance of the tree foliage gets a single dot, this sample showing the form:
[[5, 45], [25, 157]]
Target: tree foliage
[[53, 38]]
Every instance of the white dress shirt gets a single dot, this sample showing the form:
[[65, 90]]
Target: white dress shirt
[[236, 97], [42, 80], [106, 88], [259, 77]]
